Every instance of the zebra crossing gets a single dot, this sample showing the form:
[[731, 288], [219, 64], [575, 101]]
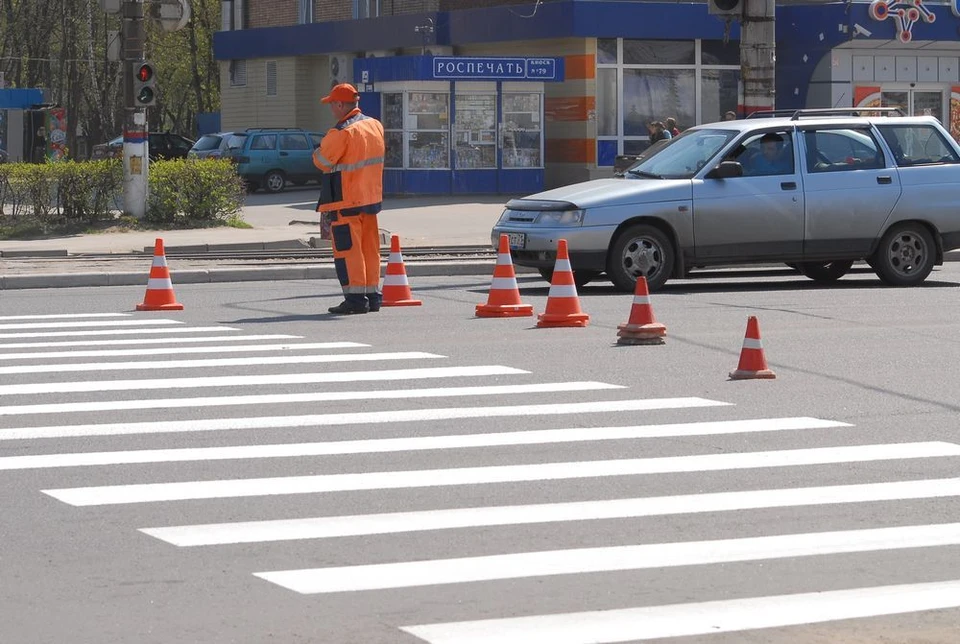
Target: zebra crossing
[[50, 353]]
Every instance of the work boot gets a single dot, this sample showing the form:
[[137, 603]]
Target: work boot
[[349, 308], [375, 301]]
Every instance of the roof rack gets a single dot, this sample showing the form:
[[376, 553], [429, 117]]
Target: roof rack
[[257, 129], [795, 115]]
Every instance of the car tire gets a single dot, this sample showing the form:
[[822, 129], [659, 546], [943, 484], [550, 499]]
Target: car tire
[[825, 272], [905, 255], [252, 186], [580, 277], [274, 181], [638, 250]]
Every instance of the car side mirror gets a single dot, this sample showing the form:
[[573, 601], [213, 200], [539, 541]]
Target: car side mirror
[[726, 170]]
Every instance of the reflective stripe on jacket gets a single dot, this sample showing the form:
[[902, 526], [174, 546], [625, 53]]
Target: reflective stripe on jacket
[[354, 148]]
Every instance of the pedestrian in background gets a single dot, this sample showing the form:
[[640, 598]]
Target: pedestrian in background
[[657, 132], [672, 127], [730, 116], [351, 157]]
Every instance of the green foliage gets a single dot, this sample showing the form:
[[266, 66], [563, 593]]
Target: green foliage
[[28, 192], [86, 191], [186, 192]]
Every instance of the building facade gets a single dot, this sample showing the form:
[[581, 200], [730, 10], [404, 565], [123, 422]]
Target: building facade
[[445, 75]]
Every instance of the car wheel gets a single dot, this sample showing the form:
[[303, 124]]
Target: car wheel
[[825, 271], [580, 278], [252, 186], [905, 255], [640, 250], [274, 181]]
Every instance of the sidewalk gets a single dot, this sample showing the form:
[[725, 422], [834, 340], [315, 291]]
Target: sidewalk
[[287, 220]]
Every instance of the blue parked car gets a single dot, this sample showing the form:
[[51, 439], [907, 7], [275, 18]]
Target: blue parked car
[[271, 157]]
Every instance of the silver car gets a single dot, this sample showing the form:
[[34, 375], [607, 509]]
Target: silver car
[[819, 189]]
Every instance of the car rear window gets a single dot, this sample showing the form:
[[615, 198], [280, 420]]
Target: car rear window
[[917, 145], [208, 142], [236, 141]]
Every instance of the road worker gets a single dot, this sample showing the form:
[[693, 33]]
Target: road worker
[[351, 157]]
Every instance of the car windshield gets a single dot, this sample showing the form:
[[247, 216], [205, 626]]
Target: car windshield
[[682, 157], [207, 142]]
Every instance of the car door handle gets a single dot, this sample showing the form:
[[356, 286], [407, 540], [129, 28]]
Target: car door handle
[[884, 180], [788, 185], [284, 154]]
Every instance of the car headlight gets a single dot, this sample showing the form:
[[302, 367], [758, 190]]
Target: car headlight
[[561, 218]]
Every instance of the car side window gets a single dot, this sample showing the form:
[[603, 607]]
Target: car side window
[[316, 139], [264, 142], [183, 145], [294, 142], [917, 145], [842, 149], [765, 154]]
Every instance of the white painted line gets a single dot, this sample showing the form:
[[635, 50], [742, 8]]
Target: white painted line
[[678, 620], [76, 324], [609, 559], [257, 380], [360, 418], [152, 365], [62, 334], [410, 444], [62, 316], [327, 396], [143, 341], [176, 351], [398, 522], [222, 489]]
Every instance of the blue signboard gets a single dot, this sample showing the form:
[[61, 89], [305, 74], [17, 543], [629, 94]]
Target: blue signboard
[[468, 68]]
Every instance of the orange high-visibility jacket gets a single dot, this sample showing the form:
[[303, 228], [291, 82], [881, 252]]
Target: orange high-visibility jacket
[[355, 148]]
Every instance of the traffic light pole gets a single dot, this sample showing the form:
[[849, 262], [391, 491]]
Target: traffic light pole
[[136, 158]]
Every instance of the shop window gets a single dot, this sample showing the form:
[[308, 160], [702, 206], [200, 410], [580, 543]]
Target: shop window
[[606, 51], [659, 52], [655, 95], [522, 133], [719, 93], [428, 126], [475, 134], [715, 52], [607, 101], [393, 126], [271, 78]]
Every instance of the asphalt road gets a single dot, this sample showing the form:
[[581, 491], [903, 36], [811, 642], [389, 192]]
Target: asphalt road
[[366, 502]]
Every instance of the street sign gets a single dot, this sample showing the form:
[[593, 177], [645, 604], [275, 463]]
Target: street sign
[[110, 6], [172, 15]]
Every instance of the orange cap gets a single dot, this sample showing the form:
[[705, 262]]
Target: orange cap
[[343, 93]]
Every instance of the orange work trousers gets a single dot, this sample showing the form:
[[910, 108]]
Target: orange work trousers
[[356, 255]]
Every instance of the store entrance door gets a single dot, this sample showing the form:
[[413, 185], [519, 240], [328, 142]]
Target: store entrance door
[[915, 102]]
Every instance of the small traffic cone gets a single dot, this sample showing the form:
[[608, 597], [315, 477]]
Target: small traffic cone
[[504, 298], [396, 289], [159, 296], [563, 305], [753, 364], [642, 327]]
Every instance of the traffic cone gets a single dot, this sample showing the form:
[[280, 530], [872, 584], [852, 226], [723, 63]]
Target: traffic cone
[[396, 289], [504, 298], [642, 327], [159, 296], [753, 364], [563, 305]]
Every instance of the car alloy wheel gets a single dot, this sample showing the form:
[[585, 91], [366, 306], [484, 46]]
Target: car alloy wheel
[[905, 256], [274, 181], [640, 250]]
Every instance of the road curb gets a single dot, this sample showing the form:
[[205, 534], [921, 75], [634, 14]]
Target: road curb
[[244, 274]]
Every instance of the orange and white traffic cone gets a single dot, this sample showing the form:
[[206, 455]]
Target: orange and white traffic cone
[[504, 298], [563, 304], [642, 327], [396, 289], [159, 296], [753, 364]]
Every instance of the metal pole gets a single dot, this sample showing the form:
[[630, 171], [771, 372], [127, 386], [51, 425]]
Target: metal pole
[[758, 55], [136, 159]]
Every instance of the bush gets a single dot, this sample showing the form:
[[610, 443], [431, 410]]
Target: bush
[[86, 192], [192, 191], [29, 195]]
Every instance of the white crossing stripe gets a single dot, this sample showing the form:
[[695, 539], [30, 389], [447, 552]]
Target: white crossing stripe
[[61, 334], [679, 620], [143, 341], [218, 362], [360, 418], [75, 324], [409, 444], [257, 380], [609, 559], [61, 316], [319, 396], [426, 520], [176, 351], [181, 491]]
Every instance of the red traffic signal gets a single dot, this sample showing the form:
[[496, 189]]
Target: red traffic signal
[[144, 92], [144, 72]]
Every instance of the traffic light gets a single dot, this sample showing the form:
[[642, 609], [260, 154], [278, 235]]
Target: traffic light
[[728, 8], [144, 84]]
